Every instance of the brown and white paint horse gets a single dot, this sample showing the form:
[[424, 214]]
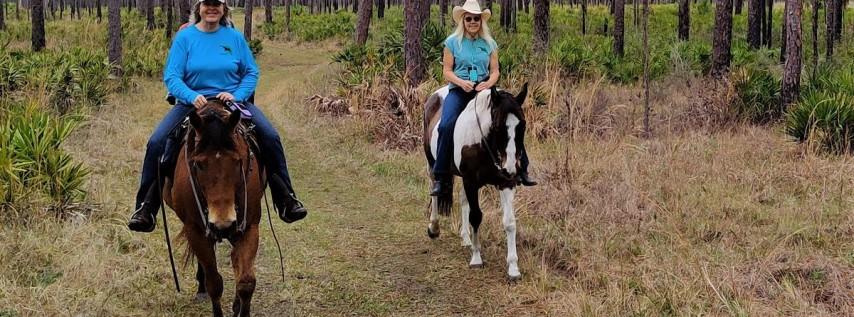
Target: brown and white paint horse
[[486, 137], [216, 192]]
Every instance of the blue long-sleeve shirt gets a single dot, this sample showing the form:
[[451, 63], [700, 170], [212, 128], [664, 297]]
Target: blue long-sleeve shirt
[[208, 63]]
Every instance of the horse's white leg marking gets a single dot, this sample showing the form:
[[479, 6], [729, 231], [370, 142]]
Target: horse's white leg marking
[[433, 228], [465, 227], [510, 161], [476, 261], [509, 221]]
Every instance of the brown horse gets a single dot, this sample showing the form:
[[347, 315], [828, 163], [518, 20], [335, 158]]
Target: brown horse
[[216, 191]]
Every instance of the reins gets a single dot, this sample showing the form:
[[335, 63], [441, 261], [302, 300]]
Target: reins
[[483, 137]]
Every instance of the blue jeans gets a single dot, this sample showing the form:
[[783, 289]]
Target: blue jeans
[[273, 154], [454, 104]]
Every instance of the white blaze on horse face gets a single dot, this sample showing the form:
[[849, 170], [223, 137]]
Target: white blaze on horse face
[[466, 130]]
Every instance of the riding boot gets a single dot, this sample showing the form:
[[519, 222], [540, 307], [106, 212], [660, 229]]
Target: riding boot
[[143, 218], [441, 184], [290, 209]]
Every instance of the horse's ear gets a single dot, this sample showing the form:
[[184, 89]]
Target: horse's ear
[[233, 119], [520, 98], [195, 120]]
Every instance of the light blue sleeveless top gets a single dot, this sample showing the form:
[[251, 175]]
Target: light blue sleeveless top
[[471, 58]]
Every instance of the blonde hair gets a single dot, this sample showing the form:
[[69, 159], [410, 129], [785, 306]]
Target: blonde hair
[[484, 33], [195, 16]]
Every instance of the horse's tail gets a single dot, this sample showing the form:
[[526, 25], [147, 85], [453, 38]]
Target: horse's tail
[[446, 200]]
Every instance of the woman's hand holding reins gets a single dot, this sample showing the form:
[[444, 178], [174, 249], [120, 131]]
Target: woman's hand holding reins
[[200, 101], [466, 85], [483, 86], [224, 96]]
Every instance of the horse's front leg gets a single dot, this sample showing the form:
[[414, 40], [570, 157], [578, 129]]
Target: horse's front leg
[[433, 227], [243, 262], [201, 292], [204, 251], [465, 227], [475, 216], [509, 221]]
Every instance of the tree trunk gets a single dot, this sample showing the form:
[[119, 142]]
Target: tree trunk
[[792, 71], [98, 10], [489, 4], [268, 11], [364, 23], [646, 108], [443, 13], [505, 13], [170, 18], [783, 42], [684, 19], [738, 6], [754, 25], [2, 14], [583, 16], [769, 23], [247, 20], [829, 9], [840, 10], [723, 36], [541, 26], [37, 14], [149, 14], [618, 27], [114, 36], [381, 9], [635, 15], [287, 16], [814, 38], [415, 70], [183, 11]]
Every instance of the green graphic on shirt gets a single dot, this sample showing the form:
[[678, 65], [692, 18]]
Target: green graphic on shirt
[[226, 48]]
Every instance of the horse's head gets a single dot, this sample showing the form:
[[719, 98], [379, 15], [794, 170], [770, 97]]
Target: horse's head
[[216, 163], [508, 127]]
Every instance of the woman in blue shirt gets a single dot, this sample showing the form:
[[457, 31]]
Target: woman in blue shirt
[[212, 59], [470, 65]]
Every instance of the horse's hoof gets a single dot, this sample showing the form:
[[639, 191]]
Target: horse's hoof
[[476, 266], [432, 235], [201, 297], [513, 279]]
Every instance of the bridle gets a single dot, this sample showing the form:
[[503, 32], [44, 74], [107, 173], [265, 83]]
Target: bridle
[[198, 196]]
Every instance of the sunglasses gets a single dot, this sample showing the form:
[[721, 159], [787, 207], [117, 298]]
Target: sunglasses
[[473, 18]]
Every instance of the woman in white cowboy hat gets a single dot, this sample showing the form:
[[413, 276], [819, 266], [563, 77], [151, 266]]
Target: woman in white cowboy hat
[[211, 59], [470, 65]]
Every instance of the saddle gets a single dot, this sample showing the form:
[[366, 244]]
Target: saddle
[[181, 133]]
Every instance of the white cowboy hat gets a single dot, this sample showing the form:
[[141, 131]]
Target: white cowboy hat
[[471, 6]]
